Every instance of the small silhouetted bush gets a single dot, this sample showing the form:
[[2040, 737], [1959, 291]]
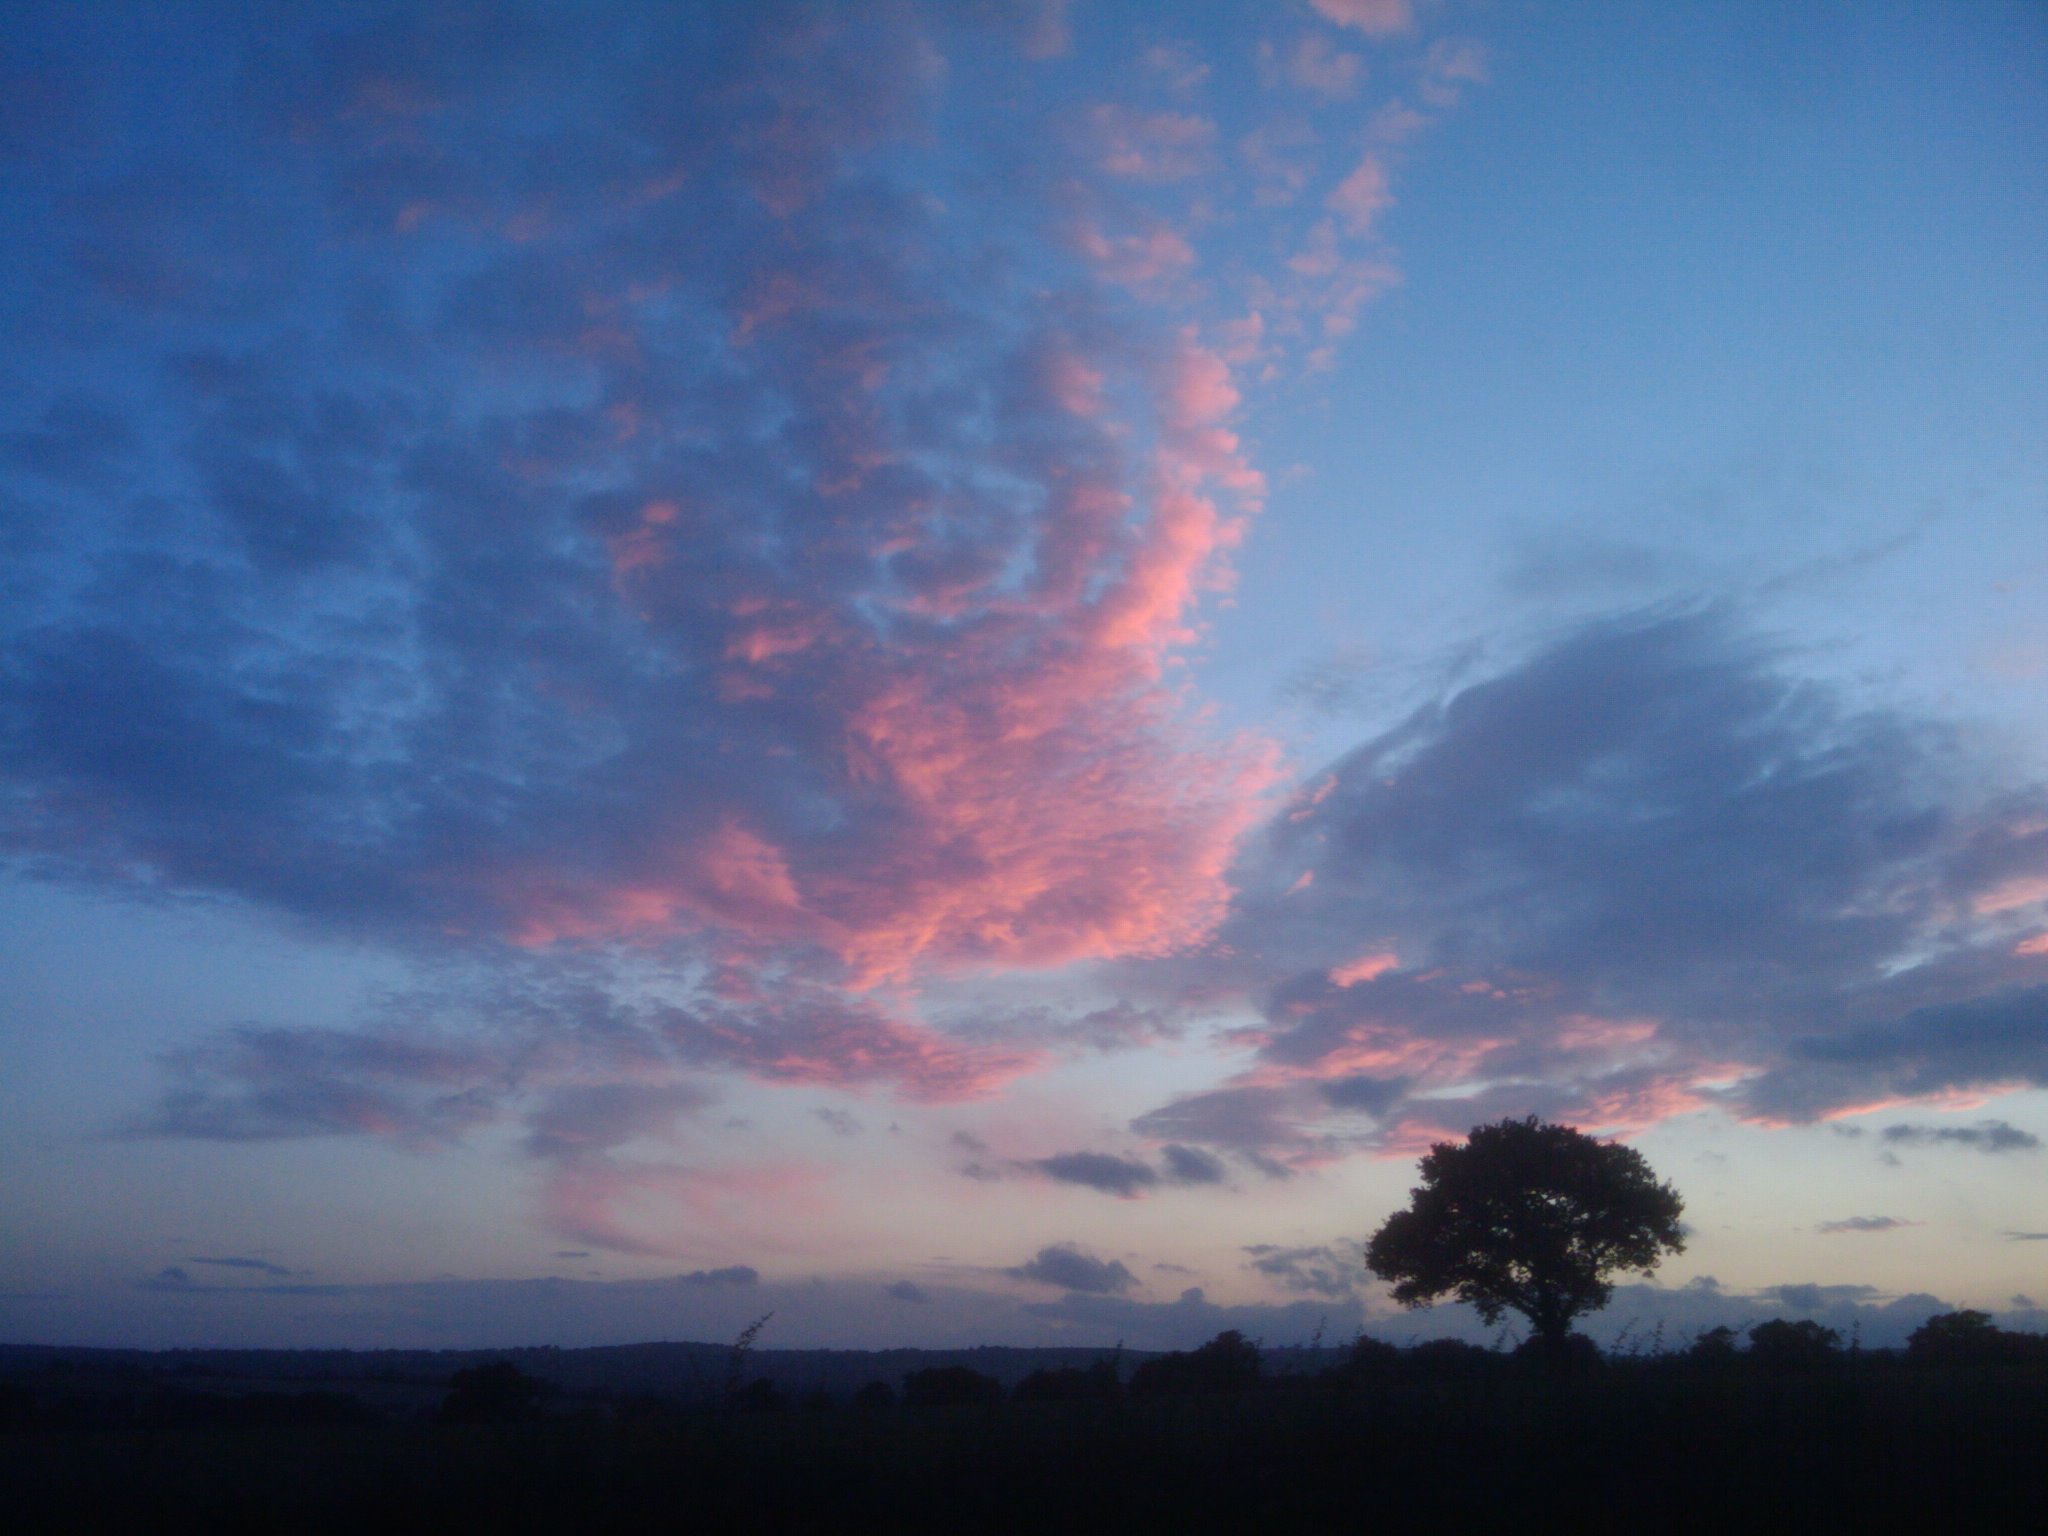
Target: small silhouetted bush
[[1071, 1384], [1714, 1346], [1227, 1363], [875, 1397], [495, 1393], [1451, 1360], [758, 1396], [1571, 1354], [1369, 1362]]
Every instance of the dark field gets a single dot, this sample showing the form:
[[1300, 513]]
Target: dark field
[[1457, 1438]]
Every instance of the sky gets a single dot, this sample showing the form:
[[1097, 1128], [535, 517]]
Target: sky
[[961, 670]]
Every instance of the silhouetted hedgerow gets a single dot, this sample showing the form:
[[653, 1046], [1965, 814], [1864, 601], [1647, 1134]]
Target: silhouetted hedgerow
[[1444, 1435]]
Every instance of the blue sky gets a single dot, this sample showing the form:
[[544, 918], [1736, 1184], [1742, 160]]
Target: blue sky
[[964, 669]]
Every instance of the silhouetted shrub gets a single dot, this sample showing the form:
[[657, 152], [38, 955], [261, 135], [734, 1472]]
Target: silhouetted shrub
[[875, 1397], [1070, 1384], [758, 1396], [1451, 1360], [950, 1386], [1571, 1354], [1714, 1346], [1787, 1346], [496, 1393], [1369, 1362]]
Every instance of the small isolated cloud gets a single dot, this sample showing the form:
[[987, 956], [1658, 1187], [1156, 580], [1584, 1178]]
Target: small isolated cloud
[[839, 1122], [732, 1274], [1985, 1136], [259, 1266], [1865, 1224], [1317, 1271], [572, 1253], [2028, 1237], [169, 1278], [905, 1290], [1066, 1266]]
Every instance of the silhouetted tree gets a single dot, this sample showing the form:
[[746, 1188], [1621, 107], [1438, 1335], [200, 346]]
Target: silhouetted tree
[[1528, 1216]]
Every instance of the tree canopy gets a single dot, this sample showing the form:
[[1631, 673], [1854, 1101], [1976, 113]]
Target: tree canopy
[[1527, 1216]]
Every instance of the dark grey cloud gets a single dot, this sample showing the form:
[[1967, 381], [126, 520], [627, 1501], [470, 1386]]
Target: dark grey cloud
[[1191, 1165], [1985, 1136], [1362, 1091], [258, 1266], [572, 1253], [839, 1122], [1129, 1177], [1809, 1297], [1066, 1266], [731, 1274], [2028, 1237], [1594, 879], [907, 1290], [1098, 1170], [1865, 1224], [1319, 1271]]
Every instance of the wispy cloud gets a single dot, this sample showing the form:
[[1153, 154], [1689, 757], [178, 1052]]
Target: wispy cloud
[[1985, 1136]]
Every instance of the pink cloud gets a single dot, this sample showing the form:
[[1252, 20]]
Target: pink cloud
[[1361, 197], [1149, 146], [1141, 259], [1375, 18], [2009, 895], [1365, 967], [1452, 64], [1039, 28], [1315, 64], [1177, 65]]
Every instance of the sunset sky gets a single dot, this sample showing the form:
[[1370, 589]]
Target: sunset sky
[[962, 668]]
